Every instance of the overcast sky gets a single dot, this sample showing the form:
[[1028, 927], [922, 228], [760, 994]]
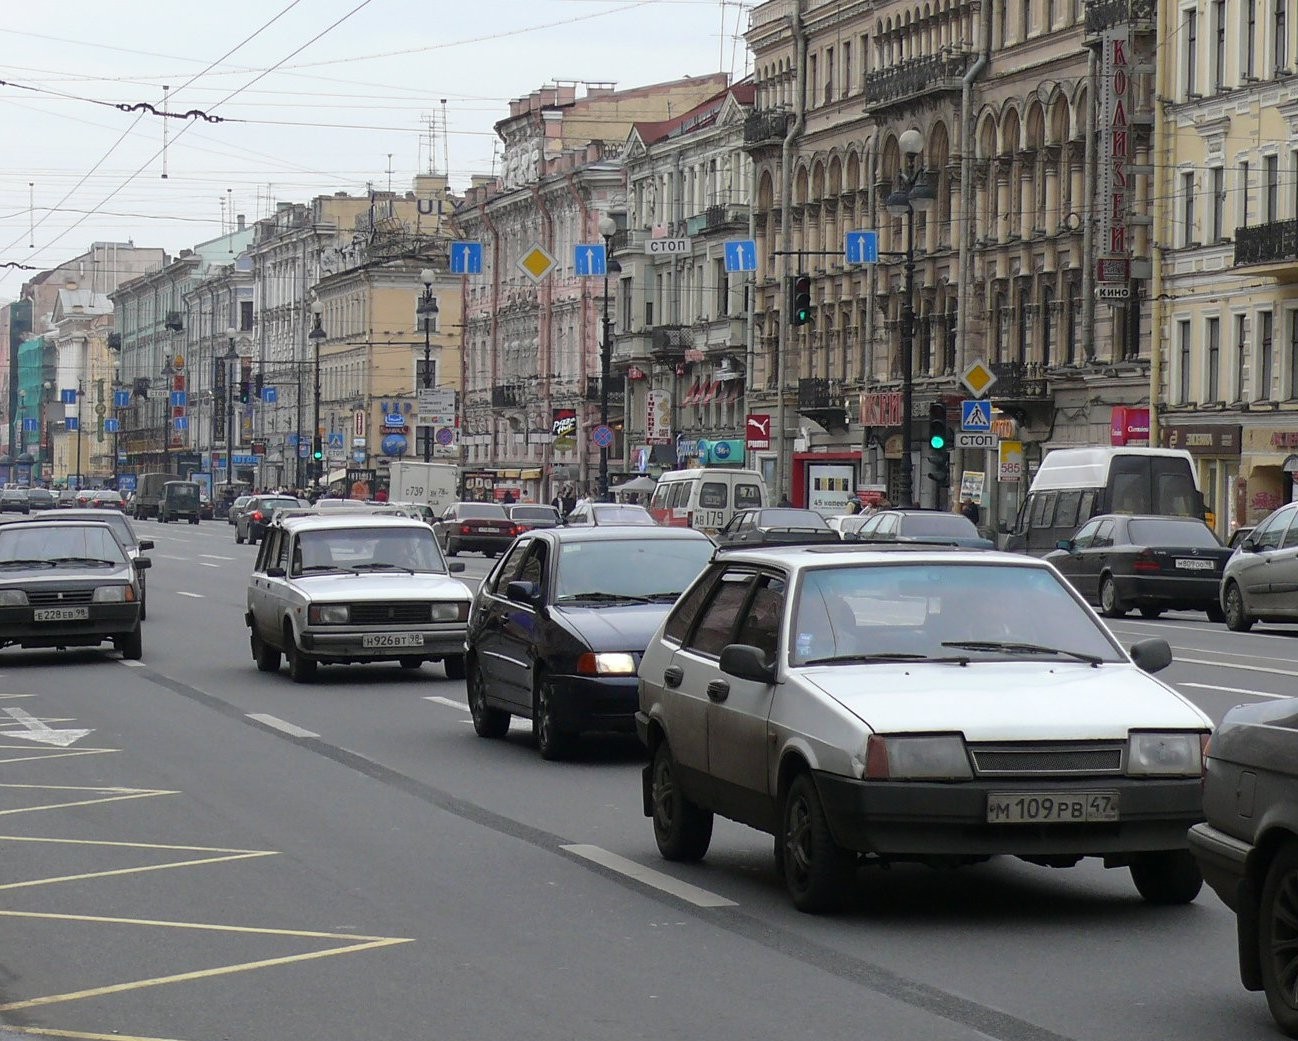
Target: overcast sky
[[336, 112]]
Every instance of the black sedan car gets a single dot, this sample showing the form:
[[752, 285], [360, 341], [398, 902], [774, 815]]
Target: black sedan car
[[254, 519], [1152, 563], [1248, 846], [945, 529], [481, 526], [557, 628], [776, 524], [13, 500], [529, 515]]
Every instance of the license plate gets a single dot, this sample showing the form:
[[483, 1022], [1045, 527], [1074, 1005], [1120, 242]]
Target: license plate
[[1051, 807], [1187, 564], [392, 640], [61, 614]]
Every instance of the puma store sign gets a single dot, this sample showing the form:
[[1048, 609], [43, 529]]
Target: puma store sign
[[759, 431]]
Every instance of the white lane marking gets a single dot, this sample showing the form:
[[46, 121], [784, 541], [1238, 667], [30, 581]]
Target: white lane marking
[[39, 730], [1236, 690], [449, 703], [204, 563], [215, 556], [275, 723], [166, 556], [1236, 665], [134, 664], [673, 886], [196, 596]]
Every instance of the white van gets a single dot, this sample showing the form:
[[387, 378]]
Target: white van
[[705, 499], [1075, 484]]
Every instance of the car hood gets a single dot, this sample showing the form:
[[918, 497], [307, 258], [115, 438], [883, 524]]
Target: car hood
[[613, 627], [1008, 701], [396, 585]]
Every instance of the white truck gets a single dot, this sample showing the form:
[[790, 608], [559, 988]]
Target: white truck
[[432, 484]]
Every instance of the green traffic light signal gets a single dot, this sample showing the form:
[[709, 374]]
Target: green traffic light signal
[[937, 439]]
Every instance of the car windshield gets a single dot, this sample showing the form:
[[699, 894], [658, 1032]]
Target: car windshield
[[59, 544], [791, 519], [938, 524], [636, 569], [482, 509], [368, 549], [1171, 532], [942, 610], [527, 513]]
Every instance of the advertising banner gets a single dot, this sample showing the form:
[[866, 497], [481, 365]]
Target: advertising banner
[[658, 417], [563, 425]]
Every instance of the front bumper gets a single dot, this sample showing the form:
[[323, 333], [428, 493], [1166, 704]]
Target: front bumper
[[106, 620], [924, 818], [341, 644], [1198, 590], [589, 703]]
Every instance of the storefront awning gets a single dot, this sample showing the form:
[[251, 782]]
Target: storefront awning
[[693, 395], [1291, 464], [710, 392]]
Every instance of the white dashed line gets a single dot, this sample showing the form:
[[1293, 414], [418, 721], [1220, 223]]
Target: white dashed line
[[204, 563], [215, 556], [134, 664], [449, 703], [1236, 665], [1235, 690], [196, 596], [673, 886], [275, 723]]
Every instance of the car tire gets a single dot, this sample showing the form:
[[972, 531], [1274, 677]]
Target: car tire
[[451, 548], [238, 539], [301, 667], [1151, 612], [130, 644], [1215, 614], [1238, 620], [551, 742], [410, 664], [193, 520], [1276, 936], [144, 609], [1168, 877], [454, 666], [1111, 605], [817, 872], [488, 722], [266, 656], [682, 828]]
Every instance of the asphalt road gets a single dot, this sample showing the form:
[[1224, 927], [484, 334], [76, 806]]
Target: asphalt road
[[228, 855]]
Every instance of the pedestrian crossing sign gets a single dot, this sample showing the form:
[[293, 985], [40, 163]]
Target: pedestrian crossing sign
[[976, 416]]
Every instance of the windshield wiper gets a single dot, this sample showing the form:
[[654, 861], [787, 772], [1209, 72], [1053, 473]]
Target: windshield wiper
[[839, 659], [662, 598], [604, 597], [88, 561], [1021, 648], [26, 563], [380, 565], [321, 567]]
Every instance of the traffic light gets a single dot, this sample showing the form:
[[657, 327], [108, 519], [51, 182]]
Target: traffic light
[[317, 449], [258, 383], [245, 391], [939, 445], [801, 305]]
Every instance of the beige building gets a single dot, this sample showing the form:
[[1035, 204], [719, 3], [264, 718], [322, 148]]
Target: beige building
[[81, 449]]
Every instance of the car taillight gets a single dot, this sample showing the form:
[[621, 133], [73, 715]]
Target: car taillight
[[1145, 561], [257, 515], [464, 529]]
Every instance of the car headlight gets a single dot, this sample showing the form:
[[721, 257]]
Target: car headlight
[[917, 757], [329, 614], [110, 594], [451, 611], [1175, 754], [606, 664], [12, 598]]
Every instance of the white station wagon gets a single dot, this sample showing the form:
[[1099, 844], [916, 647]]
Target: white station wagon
[[922, 704]]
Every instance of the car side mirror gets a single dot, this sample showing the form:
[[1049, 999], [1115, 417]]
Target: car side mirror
[[1065, 544], [1151, 655], [522, 592], [143, 563], [747, 662], [1249, 546], [275, 572], [146, 544], [1003, 529], [455, 567]]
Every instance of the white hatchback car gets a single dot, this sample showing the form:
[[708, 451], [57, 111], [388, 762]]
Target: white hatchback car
[[915, 703]]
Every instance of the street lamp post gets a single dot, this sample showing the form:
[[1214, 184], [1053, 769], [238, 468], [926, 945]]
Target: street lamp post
[[913, 192], [607, 228], [230, 359], [168, 370], [81, 393], [427, 311], [317, 336]]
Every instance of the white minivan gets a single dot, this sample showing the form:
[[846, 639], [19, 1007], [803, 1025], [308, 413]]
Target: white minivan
[[706, 498]]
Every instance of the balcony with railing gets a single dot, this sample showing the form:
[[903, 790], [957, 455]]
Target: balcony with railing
[[507, 397], [632, 349], [717, 218], [822, 400], [1269, 249], [670, 342], [1017, 381], [616, 391], [1106, 14], [908, 81], [765, 127]]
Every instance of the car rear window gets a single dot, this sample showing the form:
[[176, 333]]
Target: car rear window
[[482, 509], [1171, 533], [938, 524], [532, 513], [792, 519]]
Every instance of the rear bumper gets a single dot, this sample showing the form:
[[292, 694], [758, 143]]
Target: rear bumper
[[1197, 590], [1223, 860], [479, 543]]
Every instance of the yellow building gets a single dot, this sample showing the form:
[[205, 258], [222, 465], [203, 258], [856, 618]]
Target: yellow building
[[81, 449]]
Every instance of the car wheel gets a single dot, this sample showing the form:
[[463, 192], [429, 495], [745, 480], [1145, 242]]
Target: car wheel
[[682, 829], [551, 742], [144, 609], [487, 721], [1215, 613], [1276, 936], [451, 548], [130, 644], [1151, 612], [816, 871], [1238, 619], [454, 666], [490, 554], [266, 656], [1111, 605], [301, 668], [1170, 876], [238, 539], [411, 664], [193, 520]]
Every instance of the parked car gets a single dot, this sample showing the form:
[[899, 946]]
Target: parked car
[[41, 499], [107, 499], [206, 509], [354, 587], [68, 583], [67, 499], [13, 500], [621, 513], [126, 535], [1260, 581], [481, 526], [232, 513], [1152, 564], [927, 704], [528, 516], [775, 524], [256, 515], [928, 526], [560, 623], [1248, 846]]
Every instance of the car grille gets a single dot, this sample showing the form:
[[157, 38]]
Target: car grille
[[415, 612], [64, 596], [1047, 760]]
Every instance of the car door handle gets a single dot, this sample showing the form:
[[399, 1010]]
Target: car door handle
[[672, 675], [718, 690]]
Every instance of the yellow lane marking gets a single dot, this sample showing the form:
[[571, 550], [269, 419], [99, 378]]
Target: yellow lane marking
[[142, 794], [54, 753], [50, 1032], [107, 789], [133, 845], [132, 870], [359, 943]]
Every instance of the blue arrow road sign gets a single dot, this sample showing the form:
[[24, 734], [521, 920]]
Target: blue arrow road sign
[[111, 426], [589, 258], [976, 416], [861, 247], [466, 258], [72, 423], [181, 422], [67, 397], [741, 255], [270, 395], [179, 398], [31, 424], [121, 398]]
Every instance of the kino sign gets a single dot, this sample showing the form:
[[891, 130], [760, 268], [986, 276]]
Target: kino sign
[[1115, 140]]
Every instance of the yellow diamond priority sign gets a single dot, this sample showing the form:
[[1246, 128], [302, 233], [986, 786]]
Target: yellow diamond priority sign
[[536, 263], [978, 379]]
